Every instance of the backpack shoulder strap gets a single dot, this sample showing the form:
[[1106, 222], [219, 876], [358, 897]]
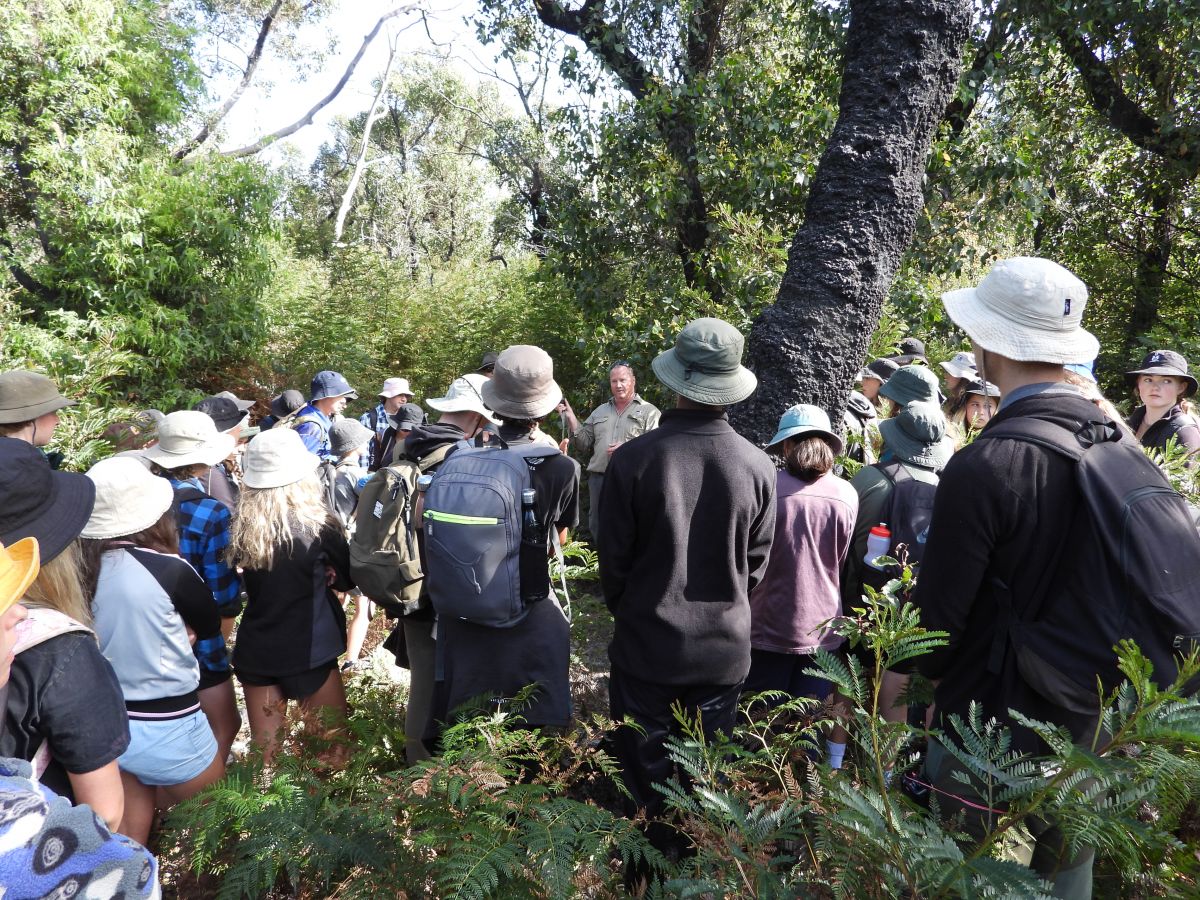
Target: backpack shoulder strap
[[42, 624], [434, 458], [1039, 432]]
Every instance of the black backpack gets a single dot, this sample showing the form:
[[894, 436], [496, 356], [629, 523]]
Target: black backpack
[[1128, 568], [908, 514]]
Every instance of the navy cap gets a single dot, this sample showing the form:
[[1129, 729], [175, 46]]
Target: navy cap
[[331, 384]]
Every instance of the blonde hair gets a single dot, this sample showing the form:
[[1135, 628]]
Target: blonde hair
[[59, 586], [271, 518], [1091, 391]]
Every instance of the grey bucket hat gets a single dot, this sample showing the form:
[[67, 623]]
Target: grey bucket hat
[[348, 434], [917, 434], [705, 365], [522, 385], [28, 395], [911, 384]]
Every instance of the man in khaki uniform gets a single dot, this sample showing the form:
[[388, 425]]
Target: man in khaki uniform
[[610, 425]]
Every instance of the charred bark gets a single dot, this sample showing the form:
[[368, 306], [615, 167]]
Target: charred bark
[[901, 65]]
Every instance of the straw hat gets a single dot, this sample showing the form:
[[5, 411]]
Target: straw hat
[[1026, 309], [18, 568], [523, 385], [188, 438], [705, 365], [276, 458], [128, 498], [803, 419]]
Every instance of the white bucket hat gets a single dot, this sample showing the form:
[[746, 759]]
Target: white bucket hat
[[464, 395], [128, 498], [961, 365], [188, 438], [276, 458], [393, 386], [1026, 309]]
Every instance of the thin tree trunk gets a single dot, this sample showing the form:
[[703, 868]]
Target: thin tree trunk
[[1154, 255], [360, 164], [901, 66]]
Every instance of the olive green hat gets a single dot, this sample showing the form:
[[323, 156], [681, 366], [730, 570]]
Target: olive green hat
[[27, 395], [705, 365]]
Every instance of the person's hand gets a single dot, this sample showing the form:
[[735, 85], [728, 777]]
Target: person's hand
[[613, 446], [191, 635], [563, 406], [563, 445], [330, 576]]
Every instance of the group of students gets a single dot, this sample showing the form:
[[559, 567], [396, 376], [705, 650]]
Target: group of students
[[121, 694]]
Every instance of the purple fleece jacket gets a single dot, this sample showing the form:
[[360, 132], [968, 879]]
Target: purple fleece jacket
[[814, 528]]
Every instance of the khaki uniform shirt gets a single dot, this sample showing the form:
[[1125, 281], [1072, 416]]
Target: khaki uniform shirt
[[606, 426]]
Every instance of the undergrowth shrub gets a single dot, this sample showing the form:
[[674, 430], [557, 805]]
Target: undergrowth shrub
[[506, 811]]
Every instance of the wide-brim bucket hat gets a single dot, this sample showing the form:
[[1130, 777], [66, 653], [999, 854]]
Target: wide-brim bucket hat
[[189, 438], [911, 384], [960, 365], [393, 386], [982, 388], [1026, 309], [348, 434], [802, 420], [328, 383], [28, 395], [917, 434], [41, 502], [277, 458], [286, 403], [1164, 362], [465, 394], [705, 365], [879, 369], [19, 565], [523, 385], [128, 498]]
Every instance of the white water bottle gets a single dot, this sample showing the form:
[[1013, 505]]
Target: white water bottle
[[879, 543]]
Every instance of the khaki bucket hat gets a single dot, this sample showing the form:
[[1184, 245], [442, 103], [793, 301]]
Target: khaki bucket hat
[[705, 365], [128, 498], [522, 385], [188, 438], [27, 395]]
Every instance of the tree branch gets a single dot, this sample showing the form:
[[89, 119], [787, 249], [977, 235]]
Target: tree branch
[[307, 118], [372, 114], [609, 43], [247, 76], [1175, 145], [23, 278], [959, 110]]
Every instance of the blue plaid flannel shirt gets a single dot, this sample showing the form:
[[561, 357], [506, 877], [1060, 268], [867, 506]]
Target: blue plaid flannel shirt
[[382, 424], [203, 538]]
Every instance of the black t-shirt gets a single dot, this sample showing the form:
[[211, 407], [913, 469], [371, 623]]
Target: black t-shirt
[[64, 691], [497, 662]]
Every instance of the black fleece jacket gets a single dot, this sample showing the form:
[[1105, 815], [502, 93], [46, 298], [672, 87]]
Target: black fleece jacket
[[1002, 509], [688, 518]]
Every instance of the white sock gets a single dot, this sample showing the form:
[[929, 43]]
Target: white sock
[[836, 752]]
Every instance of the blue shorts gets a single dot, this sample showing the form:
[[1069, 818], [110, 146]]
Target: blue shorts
[[163, 753]]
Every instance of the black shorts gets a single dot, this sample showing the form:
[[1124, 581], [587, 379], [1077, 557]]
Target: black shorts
[[209, 678], [293, 687]]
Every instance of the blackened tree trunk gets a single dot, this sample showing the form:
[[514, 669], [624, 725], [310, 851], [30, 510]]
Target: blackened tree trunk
[[901, 66]]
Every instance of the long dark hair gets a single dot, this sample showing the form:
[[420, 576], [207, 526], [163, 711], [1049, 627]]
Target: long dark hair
[[162, 536]]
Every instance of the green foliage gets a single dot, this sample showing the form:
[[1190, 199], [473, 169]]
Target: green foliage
[[506, 811], [99, 221], [86, 359]]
